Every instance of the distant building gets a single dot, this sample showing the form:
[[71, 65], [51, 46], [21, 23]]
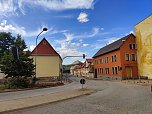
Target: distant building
[[144, 47], [87, 68], [73, 66], [84, 69], [48, 61], [117, 60], [66, 69]]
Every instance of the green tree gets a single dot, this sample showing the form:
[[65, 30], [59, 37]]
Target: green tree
[[20, 43], [18, 70], [6, 41]]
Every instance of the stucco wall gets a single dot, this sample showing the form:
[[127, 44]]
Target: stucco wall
[[109, 65], [124, 49], [47, 66], [144, 47]]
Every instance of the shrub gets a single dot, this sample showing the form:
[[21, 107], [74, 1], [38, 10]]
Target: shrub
[[18, 82]]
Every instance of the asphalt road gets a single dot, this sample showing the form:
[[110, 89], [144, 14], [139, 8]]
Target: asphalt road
[[36, 92], [110, 98]]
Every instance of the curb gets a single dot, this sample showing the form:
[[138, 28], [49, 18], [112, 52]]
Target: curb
[[59, 100], [26, 89]]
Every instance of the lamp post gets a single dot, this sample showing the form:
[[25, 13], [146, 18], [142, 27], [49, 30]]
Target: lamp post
[[44, 29]]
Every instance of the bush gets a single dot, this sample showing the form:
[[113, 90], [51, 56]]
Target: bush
[[18, 82], [48, 84]]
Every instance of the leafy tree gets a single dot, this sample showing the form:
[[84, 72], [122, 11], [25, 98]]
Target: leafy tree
[[6, 41], [18, 70], [20, 43], [23, 67]]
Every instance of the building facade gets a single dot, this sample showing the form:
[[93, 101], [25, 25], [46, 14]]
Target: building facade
[[87, 68], [48, 61], [117, 60], [143, 32], [74, 65]]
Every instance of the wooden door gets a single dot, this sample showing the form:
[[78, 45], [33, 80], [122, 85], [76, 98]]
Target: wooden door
[[128, 72]]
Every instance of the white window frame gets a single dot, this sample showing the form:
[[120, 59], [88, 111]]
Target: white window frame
[[126, 56], [131, 56]]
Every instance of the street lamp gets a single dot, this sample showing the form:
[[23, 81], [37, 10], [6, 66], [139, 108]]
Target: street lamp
[[44, 29]]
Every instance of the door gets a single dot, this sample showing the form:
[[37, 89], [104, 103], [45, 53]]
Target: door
[[128, 72], [95, 73]]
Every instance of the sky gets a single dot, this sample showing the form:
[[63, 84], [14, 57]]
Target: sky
[[75, 27]]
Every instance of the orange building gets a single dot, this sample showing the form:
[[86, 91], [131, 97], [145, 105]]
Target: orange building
[[117, 60]]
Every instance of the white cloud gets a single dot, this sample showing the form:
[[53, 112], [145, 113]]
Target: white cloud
[[15, 7], [69, 37], [94, 32], [85, 45], [131, 32], [83, 17], [11, 7], [12, 28], [72, 43], [62, 4], [32, 47], [16, 29], [67, 47]]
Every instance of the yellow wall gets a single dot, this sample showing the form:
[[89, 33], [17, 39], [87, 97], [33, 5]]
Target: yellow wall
[[47, 66], [144, 47]]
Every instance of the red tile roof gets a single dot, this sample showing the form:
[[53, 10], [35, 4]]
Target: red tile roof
[[44, 48], [89, 60]]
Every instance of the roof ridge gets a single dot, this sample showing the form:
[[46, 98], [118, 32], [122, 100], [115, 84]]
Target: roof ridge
[[112, 46]]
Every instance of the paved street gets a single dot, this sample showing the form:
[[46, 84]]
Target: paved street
[[110, 98], [37, 92]]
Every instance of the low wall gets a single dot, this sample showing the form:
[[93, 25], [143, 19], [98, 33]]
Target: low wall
[[109, 77]]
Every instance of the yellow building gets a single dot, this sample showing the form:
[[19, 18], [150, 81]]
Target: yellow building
[[48, 61], [144, 47]]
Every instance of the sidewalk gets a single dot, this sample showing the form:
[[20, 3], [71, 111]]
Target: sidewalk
[[139, 82], [9, 105]]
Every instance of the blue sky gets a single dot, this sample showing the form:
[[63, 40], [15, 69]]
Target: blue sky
[[74, 26]]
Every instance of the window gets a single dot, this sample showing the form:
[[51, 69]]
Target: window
[[116, 70], [96, 61], [112, 58], [105, 60], [102, 70], [100, 61], [107, 70], [130, 46], [98, 70], [113, 70], [127, 57], [134, 46], [119, 68], [115, 59], [133, 57]]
